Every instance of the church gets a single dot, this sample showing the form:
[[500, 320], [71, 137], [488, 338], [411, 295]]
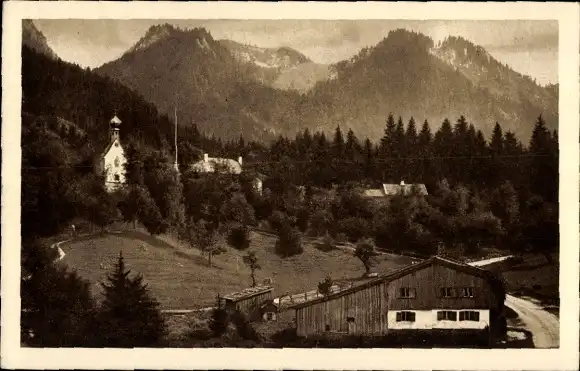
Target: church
[[112, 161]]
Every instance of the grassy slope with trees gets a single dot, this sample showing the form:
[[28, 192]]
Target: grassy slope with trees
[[496, 193]]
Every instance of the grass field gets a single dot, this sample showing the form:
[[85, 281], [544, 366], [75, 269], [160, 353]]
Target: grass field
[[533, 277], [180, 277]]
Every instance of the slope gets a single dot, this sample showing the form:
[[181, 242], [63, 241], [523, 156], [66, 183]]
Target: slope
[[405, 74]]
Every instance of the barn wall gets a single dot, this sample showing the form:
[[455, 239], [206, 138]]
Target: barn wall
[[427, 319], [366, 306], [251, 306], [427, 283]]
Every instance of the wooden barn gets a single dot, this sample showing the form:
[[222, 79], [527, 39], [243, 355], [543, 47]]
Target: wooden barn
[[435, 294], [248, 301]]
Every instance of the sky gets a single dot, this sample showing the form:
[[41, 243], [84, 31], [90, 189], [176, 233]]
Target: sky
[[529, 47]]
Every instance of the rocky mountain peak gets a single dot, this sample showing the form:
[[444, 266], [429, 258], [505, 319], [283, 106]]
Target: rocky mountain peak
[[35, 39]]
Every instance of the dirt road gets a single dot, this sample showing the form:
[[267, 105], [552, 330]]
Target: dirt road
[[544, 326]]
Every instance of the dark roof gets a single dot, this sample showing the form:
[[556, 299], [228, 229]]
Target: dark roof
[[247, 293], [400, 273]]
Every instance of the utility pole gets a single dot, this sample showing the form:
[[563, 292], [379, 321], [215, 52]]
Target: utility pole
[[175, 120]]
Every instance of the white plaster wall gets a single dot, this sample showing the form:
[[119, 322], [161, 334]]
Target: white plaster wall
[[109, 163], [427, 319]]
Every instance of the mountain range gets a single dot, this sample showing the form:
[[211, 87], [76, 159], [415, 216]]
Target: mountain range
[[230, 89]]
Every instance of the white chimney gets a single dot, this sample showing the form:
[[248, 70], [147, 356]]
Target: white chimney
[[205, 157], [240, 160], [402, 182]]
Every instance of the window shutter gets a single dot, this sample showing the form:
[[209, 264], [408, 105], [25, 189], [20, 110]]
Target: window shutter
[[412, 293], [453, 316], [462, 316], [440, 316], [398, 316], [412, 316]]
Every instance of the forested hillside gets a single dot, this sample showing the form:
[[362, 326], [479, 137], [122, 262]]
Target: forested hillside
[[405, 73]]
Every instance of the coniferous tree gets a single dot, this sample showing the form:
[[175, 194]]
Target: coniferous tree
[[411, 137], [386, 145], [57, 307], [543, 173], [129, 316], [338, 143]]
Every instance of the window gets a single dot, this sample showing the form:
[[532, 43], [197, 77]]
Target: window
[[467, 292], [327, 328], [447, 292], [269, 316], [405, 316], [406, 292], [446, 315], [350, 319], [469, 315], [116, 177], [116, 161]]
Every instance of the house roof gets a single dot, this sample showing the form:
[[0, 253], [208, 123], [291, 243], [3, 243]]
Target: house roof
[[373, 193], [400, 273], [247, 293], [209, 166], [395, 189], [405, 189]]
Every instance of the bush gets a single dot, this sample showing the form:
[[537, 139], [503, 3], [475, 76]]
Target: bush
[[244, 327], [325, 286], [239, 237], [340, 237], [320, 222], [289, 241], [354, 228], [218, 324], [277, 220], [327, 244]]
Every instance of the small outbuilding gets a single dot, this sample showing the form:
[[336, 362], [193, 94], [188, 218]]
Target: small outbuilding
[[248, 301]]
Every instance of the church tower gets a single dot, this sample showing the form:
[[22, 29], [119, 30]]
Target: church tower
[[115, 124], [113, 159]]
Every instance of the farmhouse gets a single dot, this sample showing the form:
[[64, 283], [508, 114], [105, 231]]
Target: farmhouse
[[388, 190], [111, 163], [217, 164], [248, 301], [435, 294]]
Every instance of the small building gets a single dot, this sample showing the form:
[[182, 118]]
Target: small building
[[217, 164], [112, 161], [269, 310], [248, 301], [386, 191], [434, 294]]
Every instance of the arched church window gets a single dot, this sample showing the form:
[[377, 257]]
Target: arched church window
[[116, 161]]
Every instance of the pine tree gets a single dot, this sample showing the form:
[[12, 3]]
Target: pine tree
[[129, 316], [386, 144], [352, 146], [338, 143], [411, 137], [57, 307], [543, 173], [399, 139], [424, 139]]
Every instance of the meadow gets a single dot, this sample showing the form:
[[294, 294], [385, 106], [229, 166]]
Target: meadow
[[180, 277]]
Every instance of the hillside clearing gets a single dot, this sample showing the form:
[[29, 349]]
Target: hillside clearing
[[180, 277]]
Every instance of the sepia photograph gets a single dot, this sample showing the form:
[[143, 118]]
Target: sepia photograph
[[193, 182]]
